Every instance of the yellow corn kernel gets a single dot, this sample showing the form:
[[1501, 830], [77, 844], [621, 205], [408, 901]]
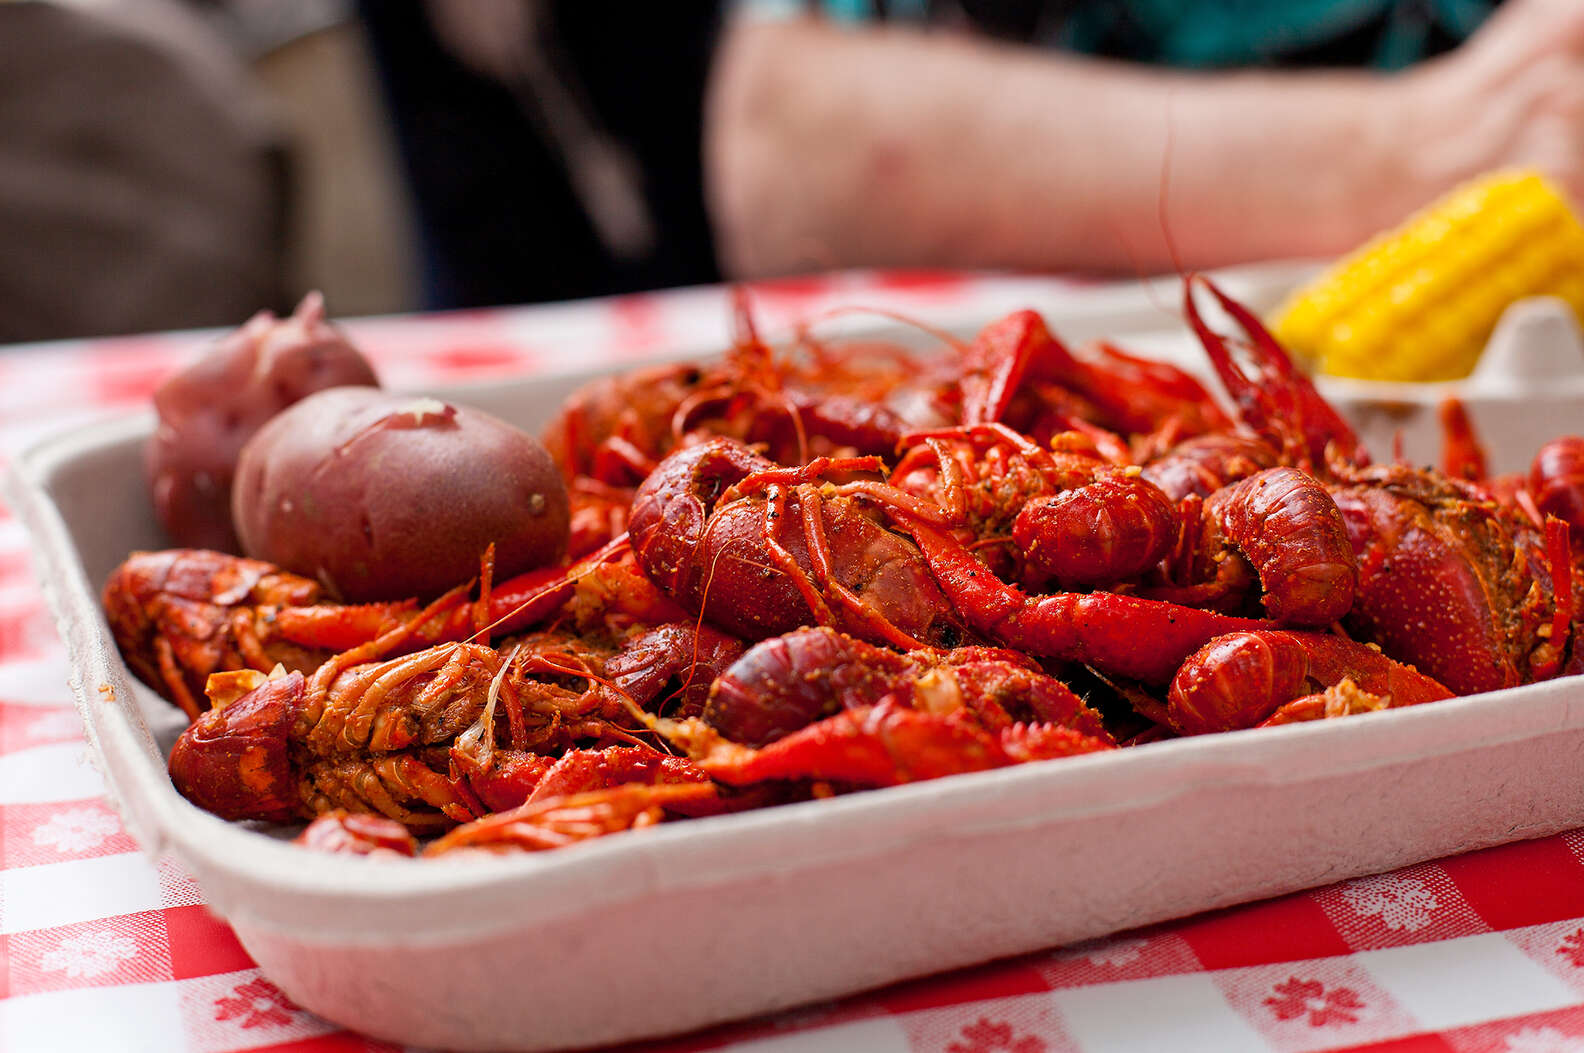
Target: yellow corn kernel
[[1419, 302]]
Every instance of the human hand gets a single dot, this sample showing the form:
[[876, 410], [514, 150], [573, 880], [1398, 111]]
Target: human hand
[[1513, 96]]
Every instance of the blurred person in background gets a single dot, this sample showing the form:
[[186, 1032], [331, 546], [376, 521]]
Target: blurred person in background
[[965, 133], [552, 146], [563, 148], [142, 185]]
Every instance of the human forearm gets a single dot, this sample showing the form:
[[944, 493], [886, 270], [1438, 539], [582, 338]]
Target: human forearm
[[887, 147]]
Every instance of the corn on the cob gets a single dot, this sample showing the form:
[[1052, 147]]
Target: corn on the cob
[[1419, 302]]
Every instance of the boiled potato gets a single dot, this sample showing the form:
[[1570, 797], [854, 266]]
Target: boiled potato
[[385, 496], [211, 408]]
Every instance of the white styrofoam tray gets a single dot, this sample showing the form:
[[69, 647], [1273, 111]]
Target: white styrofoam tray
[[693, 923]]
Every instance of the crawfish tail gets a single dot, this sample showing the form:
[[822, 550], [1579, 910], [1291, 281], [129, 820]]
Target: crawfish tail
[[1239, 680], [787, 682], [357, 833], [695, 654], [236, 762], [1108, 530], [1288, 526]]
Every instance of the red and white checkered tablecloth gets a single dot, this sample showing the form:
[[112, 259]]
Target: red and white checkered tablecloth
[[102, 948]]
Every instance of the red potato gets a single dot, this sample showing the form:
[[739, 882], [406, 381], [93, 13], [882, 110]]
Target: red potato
[[385, 496], [211, 408]]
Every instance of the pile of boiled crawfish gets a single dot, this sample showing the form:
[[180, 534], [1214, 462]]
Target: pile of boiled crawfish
[[840, 568]]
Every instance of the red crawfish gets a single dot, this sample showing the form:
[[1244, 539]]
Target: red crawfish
[[1454, 585], [181, 615], [357, 833], [375, 738], [1281, 525], [1556, 479], [886, 744], [428, 739], [1123, 636], [1449, 581], [1015, 371], [1553, 486], [1075, 520], [759, 550], [1268, 677], [819, 706], [1278, 403], [788, 682], [542, 822], [556, 822], [1063, 515], [616, 430]]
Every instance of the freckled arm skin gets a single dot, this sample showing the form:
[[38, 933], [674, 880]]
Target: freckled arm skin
[[889, 146]]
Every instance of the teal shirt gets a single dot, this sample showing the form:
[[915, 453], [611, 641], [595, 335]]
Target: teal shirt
[[1220, 33], [1203, 34]]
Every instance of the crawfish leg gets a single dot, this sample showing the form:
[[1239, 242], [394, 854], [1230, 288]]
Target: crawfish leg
[[820, 558], [175, 683], [883, 745], [1120, 635], [558, 821], [775, 514]]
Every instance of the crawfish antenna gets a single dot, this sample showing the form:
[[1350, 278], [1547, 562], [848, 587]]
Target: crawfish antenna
[[481, 606], [1163, 218], [744, 331], [478, 741], [1462, 455], [1163, 200]]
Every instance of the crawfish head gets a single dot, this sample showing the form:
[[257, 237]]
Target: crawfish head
[[764, 563], [1445, 583], [181, 614]]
